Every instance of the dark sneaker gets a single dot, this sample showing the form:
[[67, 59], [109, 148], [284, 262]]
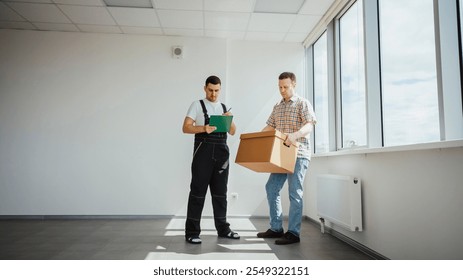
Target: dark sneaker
[[288, 238], [270, 234], [193, 239]]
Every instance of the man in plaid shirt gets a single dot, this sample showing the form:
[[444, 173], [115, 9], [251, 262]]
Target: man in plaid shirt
[[294, 116]]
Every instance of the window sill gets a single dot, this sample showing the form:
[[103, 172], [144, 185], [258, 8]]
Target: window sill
[[413, 147]]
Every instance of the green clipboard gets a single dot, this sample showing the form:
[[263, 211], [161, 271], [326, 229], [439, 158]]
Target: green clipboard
[[222, 123]]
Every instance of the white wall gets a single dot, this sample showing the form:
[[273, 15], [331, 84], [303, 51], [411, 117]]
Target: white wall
[[412, 201], [91, 124]]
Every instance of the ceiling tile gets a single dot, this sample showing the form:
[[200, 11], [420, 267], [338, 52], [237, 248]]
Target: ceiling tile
[[271, 22], [135, 17], [56, 26], [39, 12], [88, 15], [181, 19], [99, 28], [129, 3], [265, 36], [190, 5], [81, 2], [234, 35], [278, 6], [226, 21], [184, 32], [304, 23], [17, 25], [318, 7], [141, 30], [7, 14], [30, 1], [243, 6]]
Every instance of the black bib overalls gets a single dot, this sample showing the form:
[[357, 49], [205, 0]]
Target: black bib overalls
[[209, 168]]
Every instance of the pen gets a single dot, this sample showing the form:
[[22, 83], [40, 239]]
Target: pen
[[228, 110]]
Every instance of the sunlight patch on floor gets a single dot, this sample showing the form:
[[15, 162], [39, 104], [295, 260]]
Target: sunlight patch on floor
[[210, 256], [247, 247]]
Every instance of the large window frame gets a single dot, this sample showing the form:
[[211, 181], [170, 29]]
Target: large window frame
[[446, 18]]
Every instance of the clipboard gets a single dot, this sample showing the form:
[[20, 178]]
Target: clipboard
[[223, 123]]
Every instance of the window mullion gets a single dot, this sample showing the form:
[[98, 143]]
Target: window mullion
[[337, 85], [331, 88], [448, 70], [372, 74]]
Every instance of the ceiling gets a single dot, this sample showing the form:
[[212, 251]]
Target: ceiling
[[255, 20]]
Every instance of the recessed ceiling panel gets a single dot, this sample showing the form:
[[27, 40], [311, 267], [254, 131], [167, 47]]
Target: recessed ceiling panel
[[39, 12]]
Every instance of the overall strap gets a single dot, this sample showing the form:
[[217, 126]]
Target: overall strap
[[215, 137], [206, 116]]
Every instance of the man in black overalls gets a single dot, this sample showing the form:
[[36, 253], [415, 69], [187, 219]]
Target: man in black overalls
[[210, 163]]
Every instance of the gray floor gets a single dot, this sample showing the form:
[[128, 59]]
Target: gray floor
[[139, 239]]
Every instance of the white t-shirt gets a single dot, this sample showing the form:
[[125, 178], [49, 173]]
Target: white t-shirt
[[196, 111]]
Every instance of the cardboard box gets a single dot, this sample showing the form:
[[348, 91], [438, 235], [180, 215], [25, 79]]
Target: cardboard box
[[265, 152]]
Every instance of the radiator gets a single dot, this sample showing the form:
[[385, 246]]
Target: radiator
[[339, 201]]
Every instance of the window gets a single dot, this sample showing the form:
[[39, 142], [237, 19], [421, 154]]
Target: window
[[386, 73], [408, 72], [320, 84], [353, 106]]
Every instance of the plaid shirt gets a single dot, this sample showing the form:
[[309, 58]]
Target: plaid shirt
[[289, 117]]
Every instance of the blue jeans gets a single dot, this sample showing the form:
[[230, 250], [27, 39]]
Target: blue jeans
[[273, 187]]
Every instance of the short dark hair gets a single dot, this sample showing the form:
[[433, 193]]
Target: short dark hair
[[213, 80], [287, 75]]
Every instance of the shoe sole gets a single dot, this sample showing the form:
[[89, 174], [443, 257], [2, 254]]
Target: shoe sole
[[286, 243], [194, 242], [272, 236]]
